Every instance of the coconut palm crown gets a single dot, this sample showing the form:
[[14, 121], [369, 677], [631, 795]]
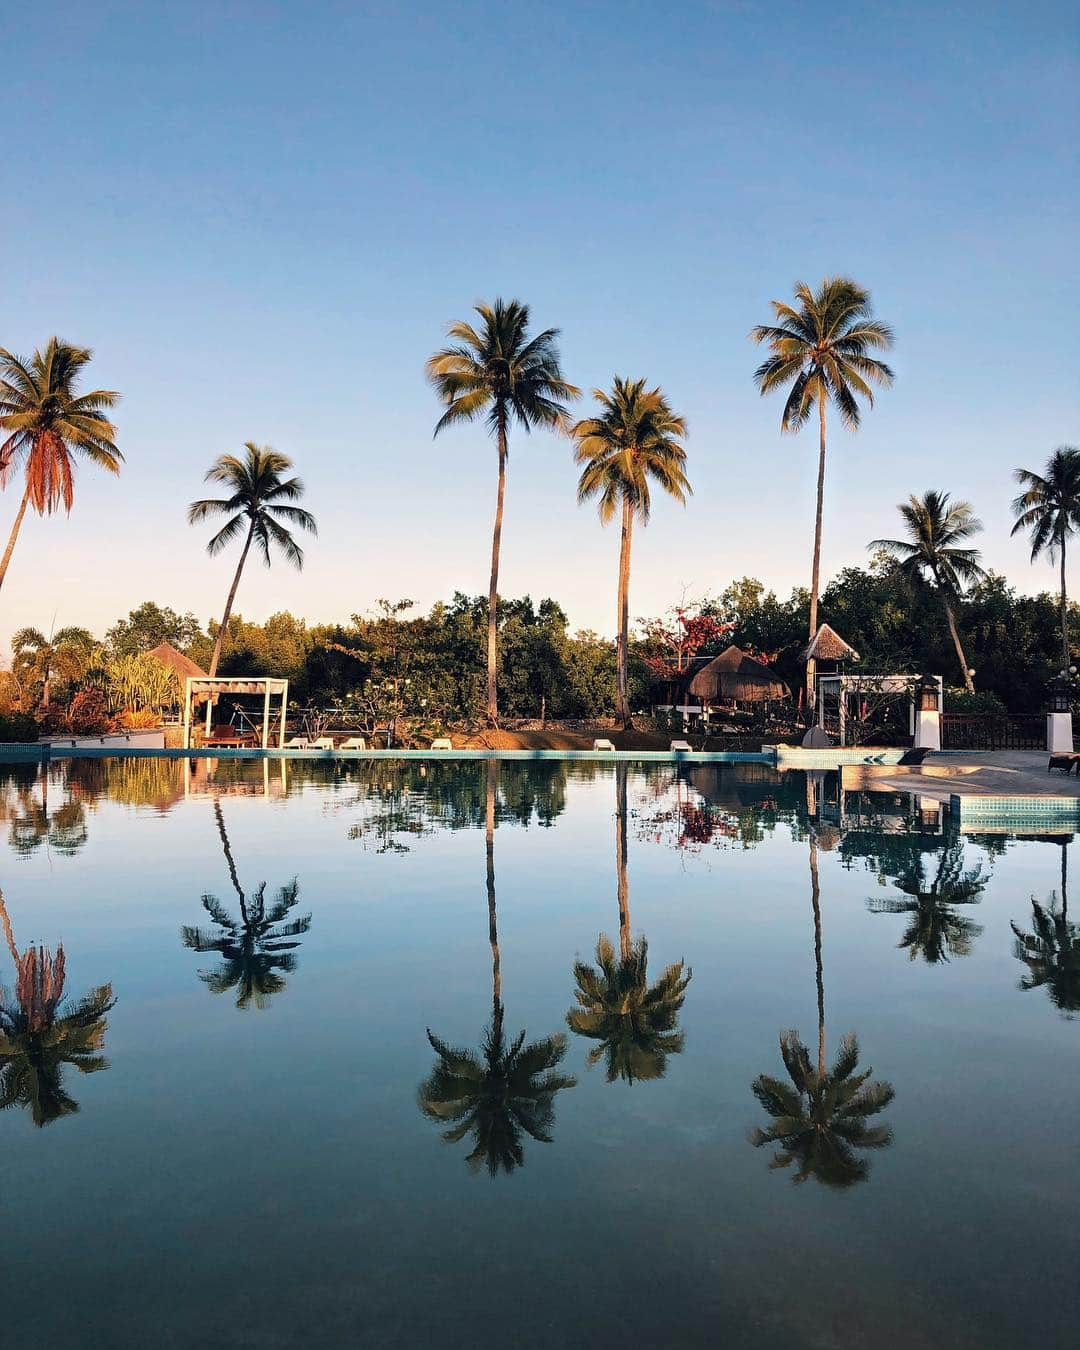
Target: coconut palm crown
[[497, 372], [821, 353], [46, 424], [636, 438], [936, 552], [259, 508], [1051, 953], [40, 658], [1049, 510], [935, 930]]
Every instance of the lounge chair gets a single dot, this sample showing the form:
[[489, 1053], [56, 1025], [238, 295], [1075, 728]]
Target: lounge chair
[[601, 744], [681, 746], [1066, 760], [322, 743], [913, 756], [297, 743], [353, 743], [442, 743]]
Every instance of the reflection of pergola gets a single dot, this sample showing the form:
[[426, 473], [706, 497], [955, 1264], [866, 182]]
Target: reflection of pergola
[[203, 689], [836, 692]]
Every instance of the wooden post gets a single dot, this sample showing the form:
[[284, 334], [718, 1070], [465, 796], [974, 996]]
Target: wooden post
[[266, 716], [284, 709], [187, 713]]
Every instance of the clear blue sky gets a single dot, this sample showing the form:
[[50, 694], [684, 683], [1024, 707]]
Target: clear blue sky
[[262, 216]]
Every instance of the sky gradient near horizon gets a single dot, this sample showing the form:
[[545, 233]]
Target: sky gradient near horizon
[[261, 217]]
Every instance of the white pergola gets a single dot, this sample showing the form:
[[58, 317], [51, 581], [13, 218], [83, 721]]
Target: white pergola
[[201, 688], [843, 687]]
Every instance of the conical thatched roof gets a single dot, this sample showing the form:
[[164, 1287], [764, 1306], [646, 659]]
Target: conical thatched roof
[[735, 674], [184, 666], [828, 645]]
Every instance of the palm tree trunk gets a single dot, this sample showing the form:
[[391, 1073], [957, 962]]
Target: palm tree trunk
[[5, 923], [622, 695], [620, 860], [1064, 881], [968, 682], [1064, 614], [493, 926], [815, 575], [226, 848], [493, 588], [229, 602], [6, 559], [815, 900]]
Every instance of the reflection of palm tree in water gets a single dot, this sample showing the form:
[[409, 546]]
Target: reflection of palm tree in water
[[1051, 952], [635, 1023], [40, 1034], [819, 1119], [936, 931], [257, 951], [31, 824], [508, 1090]]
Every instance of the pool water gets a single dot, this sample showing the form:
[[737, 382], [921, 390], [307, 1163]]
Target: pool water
[[339, 1060]]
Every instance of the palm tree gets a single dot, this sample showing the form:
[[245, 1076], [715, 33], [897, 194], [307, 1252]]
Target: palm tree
[[636, 438], [1051, 952], [820, 1120], [508, 1090], [48, 424], [256, 506], [1049, 509], [936, 931], [257, 951], [40, 1035], [38, 658], [634, 1023], [502, 374], [821, 349], [936, 528]]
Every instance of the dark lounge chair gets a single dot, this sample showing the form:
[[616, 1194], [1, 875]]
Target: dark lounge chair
[[1067, 761], [913, 757]]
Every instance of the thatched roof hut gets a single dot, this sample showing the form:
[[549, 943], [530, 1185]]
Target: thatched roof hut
[[736, 677], [184, 666], [828, 645]]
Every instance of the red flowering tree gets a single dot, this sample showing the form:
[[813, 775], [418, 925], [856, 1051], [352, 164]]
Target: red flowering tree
[[677, 637]]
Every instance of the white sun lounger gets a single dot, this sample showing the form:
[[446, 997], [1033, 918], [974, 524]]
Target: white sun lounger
[[681, 745], [602, 744], [442, 743], [353, 743], [322, 743], [297, 743]]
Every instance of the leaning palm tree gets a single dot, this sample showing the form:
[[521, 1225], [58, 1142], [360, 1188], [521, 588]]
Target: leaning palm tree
[[47, 424], [1051, 951], [41, 1035], [933, 553], [39, 659], [500, 373], [820, 351], [1049, 509], [507, 1092], [258, 503], [820, 1119], [636, 438], [634, 1023], [935, 930]]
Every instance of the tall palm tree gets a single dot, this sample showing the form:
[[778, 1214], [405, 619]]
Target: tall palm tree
[[508, 1091], [936, 931], [1049, 509], [636, 438], [820, 351], [500, 373], [1051, 952], [820, 1119], [258, 503], [257, 951], [48, 424], [933, 553], [40, 1034], [634, 1023], [39, 658]]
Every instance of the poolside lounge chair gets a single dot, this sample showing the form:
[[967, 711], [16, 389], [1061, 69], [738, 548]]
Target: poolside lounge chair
[[442, 743], [1066, 760], [353, 743], [601, 744], [681, 746], [322, 743], [913, 756], [296, 743]]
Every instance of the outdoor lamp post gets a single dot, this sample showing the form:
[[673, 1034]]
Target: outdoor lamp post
[[1059, 735], [929, 695], [927, 714]]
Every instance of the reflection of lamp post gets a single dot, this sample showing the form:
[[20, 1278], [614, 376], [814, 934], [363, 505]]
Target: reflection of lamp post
[[1059, 736], [928, 714]]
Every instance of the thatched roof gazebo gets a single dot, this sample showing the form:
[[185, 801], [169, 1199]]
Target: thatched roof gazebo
[[828, 646], [736, 677], [185, 667]]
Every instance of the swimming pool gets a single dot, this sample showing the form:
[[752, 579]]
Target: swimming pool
[[345, 1059]]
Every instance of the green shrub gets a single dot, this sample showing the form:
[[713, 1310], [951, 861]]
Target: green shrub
[[981, 703], [15, 726]]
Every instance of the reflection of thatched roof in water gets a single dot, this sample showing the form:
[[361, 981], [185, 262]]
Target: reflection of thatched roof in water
[[735, 675], [736, 786], [184, 666]]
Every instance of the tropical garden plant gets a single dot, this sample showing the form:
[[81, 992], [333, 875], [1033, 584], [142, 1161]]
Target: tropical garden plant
[[497, 372], [936, 553], [47, 425], [636, 438], [1049, 510], [820, 352], [38, 660], [259, 501]]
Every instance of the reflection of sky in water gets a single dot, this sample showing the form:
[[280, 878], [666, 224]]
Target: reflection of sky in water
[[267, 1173]]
